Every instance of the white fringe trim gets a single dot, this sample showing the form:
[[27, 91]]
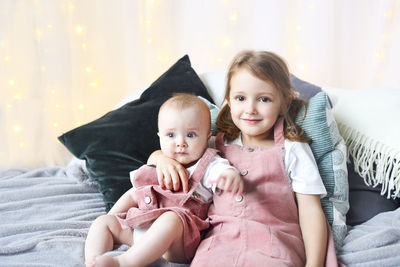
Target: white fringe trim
[[375, 162]]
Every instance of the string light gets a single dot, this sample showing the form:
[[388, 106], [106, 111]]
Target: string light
[[379, 55], [88, 69], [233, 17], [79, 29], [302, 67], [17, 128], [21, 145], [81, 106], [388, 14], [11, 82], [93, 84], [148, 21], [226, 42]]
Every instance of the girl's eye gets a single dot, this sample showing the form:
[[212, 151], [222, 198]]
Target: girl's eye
[[170, 135], [265, 99], [191, 135], [239, 98]]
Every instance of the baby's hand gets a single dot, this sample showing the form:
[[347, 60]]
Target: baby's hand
[[230, 181], [171, 174]]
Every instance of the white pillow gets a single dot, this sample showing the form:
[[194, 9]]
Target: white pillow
[[368, 120]]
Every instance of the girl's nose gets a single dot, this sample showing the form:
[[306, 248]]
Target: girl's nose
[[250, 107]]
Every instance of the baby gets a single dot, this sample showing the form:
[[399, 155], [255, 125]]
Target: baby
[[173, 221]]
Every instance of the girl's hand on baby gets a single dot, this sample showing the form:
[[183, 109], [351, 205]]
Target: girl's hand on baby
[[230, 181], [171, 174]]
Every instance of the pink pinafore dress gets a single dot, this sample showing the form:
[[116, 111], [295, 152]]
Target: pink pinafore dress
[[261, 227], [153, 201]]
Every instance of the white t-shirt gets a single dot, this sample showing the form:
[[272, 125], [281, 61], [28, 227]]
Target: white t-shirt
[[300, 166]]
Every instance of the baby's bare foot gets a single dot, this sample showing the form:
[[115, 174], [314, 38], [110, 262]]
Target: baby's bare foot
[[106, 261], [90, 262]]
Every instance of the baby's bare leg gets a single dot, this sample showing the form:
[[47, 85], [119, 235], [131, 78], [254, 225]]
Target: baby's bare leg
[[103, 233], [163, 239]]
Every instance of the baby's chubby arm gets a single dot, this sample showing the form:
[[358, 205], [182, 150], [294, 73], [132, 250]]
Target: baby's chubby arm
[[170, 173], [125, 202]]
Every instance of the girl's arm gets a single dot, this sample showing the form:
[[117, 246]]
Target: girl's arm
[[170, 173], [313, 228], [126, 201]]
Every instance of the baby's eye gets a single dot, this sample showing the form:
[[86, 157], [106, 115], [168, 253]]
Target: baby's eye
[[264, 99], [191, 134], [239, 98], [170, 135]]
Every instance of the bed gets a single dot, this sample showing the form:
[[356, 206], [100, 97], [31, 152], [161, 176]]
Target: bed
[[46, 212]]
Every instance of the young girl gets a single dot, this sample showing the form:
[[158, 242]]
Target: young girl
[[173, 220], [278, 220]]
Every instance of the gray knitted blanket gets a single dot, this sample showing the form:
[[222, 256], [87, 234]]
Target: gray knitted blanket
[[45, 215]]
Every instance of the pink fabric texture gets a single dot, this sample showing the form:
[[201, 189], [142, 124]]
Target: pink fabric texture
[[153, 201], [261, 228]]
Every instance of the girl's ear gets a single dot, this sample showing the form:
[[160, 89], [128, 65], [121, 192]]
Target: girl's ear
[[227, 101], [287, 107]]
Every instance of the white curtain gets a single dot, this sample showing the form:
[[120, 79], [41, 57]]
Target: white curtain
[[65, 63]]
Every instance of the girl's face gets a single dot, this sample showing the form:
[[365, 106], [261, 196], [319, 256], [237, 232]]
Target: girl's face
[[255, 105]]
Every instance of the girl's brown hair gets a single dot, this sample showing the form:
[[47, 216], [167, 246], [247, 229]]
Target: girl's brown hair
[[268, 67]]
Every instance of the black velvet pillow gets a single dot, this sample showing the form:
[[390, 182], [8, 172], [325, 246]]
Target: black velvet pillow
[[123, 139]]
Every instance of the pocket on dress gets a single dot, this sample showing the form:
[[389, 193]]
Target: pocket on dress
[[260, 240], [208, 242], [287, 246]]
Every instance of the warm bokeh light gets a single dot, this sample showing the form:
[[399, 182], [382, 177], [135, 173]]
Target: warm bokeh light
[[75, 62]]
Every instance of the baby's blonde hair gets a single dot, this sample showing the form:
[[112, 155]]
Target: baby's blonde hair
[[182, 101]]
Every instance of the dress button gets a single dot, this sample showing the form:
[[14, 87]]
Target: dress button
[[244, 172], [147, 200], [250, 149], [239, 198]]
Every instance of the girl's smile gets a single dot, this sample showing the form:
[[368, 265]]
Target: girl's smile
[[251, 121]]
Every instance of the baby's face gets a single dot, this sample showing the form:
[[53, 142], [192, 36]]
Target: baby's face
[[183, 133]]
